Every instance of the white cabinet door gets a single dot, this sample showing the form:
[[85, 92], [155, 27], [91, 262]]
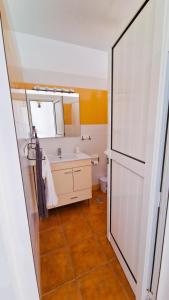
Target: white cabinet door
[[63, 181], [82, 178]]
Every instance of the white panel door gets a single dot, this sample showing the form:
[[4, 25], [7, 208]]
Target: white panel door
[[127, 187], [131, 80], [131, 74]]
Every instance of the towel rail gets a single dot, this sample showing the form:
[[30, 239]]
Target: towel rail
[[32, 146], [40, 182]]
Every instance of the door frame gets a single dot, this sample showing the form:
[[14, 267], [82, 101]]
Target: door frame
[[163, 288], [163, 200], [155, 155], [14, 221]]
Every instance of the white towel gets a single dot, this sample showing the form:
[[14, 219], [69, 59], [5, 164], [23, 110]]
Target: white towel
[[51, 197]]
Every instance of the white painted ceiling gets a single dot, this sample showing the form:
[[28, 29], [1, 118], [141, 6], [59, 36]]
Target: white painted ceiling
[[89, 23]]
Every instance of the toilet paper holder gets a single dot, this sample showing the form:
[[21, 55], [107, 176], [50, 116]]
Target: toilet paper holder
[[95, 159]]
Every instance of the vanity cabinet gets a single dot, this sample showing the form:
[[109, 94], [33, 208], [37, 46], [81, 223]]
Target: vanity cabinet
[[72, 180], [63, 181], [82, 178]]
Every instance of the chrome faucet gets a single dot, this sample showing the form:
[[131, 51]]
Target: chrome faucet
[[59, 152]]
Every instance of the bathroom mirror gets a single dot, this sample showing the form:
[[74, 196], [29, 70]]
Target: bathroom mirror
[[54, 114]]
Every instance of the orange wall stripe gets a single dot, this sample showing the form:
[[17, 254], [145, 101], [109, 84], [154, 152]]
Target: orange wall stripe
[[93, 102], [67, 113]]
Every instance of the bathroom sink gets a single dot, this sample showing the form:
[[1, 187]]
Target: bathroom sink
[[67, 157]]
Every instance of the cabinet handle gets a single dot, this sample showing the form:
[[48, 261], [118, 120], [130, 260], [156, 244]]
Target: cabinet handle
[[78, 170], [74, 197], [68, 172]]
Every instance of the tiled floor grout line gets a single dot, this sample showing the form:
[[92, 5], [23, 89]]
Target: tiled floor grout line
[[70, 260], [48, 229], [52, 251], [68, 245], [93, 269], [78, 277], [80, 292], [52, 226], [120, 283], [76, 280], [96, 237], [83, 214], [58, 286]]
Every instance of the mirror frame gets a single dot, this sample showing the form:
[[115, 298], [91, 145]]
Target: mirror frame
[[52, 94]]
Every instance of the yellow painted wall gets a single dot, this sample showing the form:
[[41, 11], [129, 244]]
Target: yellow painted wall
[[93, 106], [67, 107], [93, 103]]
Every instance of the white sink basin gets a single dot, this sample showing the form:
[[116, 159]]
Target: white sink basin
[[67, 157]]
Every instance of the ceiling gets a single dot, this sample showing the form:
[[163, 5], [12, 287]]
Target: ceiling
[[89, 23]]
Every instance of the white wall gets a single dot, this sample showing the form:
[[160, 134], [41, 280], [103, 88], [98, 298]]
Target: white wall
[[54, 62], [7, 287]]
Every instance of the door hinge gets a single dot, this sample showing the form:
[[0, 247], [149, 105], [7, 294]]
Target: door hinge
[[149, 295], [109, 153]]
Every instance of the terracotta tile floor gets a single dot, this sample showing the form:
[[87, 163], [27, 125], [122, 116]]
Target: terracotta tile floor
[[77, 261]]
